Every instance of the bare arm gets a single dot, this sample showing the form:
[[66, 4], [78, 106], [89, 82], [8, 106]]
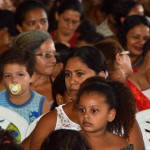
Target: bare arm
[[136, 138], [45, 126]]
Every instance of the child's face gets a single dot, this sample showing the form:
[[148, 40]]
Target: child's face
[[16, 74], [94, 113]]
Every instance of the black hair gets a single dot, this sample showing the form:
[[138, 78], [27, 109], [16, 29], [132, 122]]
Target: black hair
[[91, 56], [58, 87], [90, 37], [146, 47], [129, 23], [7, 21], [17, 56], [65, 139], [7, 141], [122, 9], [25, 7], [75, 5], [63, 52], [119, 97]]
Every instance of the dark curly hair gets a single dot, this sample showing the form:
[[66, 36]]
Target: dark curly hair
[[65, 139], [17, 56], [7, 141], [119, 97]]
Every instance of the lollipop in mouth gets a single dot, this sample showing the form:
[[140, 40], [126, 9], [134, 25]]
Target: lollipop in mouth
[[15, 88]]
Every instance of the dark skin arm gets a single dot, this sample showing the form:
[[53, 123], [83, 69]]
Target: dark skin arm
[[45, 126], [135, 137]]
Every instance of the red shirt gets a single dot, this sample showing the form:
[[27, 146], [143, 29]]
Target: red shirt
[[142, 102], [72, 41]]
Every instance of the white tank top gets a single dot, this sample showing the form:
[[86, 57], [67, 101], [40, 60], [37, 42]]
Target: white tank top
[[63, 122]]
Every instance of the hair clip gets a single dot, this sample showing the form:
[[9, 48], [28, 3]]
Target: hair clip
[[125, 53]]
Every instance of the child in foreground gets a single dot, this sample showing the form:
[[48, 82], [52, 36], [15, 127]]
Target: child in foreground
[[16, 70], [99, 116]]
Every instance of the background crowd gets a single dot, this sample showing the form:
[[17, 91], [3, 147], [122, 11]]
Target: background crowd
[[84, 64]]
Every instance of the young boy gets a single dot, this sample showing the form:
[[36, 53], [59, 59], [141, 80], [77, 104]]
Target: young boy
[[16, 70]]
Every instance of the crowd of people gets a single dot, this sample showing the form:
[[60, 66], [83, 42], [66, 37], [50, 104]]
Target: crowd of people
[[83, 64]]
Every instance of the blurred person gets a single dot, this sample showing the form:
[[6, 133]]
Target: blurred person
[[42, 45], [63, 52], [68, 16], [8, 142], [142, 77], [120, 69], [7, 29], [59, 90], [133, 34], [89, 38], [31, 15]]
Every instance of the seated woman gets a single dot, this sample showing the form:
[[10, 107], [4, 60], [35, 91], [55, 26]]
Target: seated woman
[[133, 34], [68, 16], [142, 77], [40, 43], [31, 15], [78, 68], [120, 69]]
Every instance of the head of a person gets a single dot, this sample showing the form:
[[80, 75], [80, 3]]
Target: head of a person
[[40, 43], [31, 15], [8, 23], [69, 16], [83, 63], [125, 8], [146, 61], [16, 69], [65, 139], [133, 34], [7, 141], [89, 38], [100, 106], [117, 59], [59, 91], [62, 54]]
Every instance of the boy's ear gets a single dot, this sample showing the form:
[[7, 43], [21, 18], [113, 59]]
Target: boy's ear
[[59, 99]]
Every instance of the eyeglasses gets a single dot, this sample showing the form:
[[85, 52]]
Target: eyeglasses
[[47, 54], [125, 53]]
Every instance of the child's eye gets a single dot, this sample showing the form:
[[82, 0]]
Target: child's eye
[[6, 76], [20, 74], [93, 111], [81, 110]]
